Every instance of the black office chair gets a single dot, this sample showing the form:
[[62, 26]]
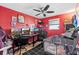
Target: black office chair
[[42, 34]]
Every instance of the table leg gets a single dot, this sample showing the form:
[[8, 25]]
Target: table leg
[[13, 49], [33, 41], [20, 49], [56, 49]]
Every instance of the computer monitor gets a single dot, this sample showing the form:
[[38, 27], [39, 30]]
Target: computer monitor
[[36, 29], [23, 29]]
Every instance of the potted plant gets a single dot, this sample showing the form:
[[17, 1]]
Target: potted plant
[[40, 22]]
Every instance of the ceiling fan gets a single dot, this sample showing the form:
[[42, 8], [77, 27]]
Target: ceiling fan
[[43, 10]]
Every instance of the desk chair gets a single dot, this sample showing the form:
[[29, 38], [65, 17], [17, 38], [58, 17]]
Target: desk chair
[[42, 35]]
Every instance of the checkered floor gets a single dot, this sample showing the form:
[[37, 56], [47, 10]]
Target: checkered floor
[[38, 50]]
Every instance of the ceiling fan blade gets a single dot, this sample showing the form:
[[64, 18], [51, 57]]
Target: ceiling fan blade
[[49, 11], [46, 8], [36, 10], [37, 14], [44, 15]]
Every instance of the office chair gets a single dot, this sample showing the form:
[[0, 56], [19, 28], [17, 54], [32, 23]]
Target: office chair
[[42, 34]]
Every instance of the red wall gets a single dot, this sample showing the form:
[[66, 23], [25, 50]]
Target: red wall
[[62, 28], [6, 16]]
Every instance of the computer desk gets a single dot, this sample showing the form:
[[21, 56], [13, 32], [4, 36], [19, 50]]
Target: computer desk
[[27, 37]]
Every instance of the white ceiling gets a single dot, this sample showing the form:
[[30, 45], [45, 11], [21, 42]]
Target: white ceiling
[[27, 8]]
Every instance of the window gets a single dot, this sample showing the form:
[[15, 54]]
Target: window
[[54, 24]]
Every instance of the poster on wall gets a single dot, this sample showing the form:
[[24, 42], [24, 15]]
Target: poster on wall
[[54, 24], [21, 19], [14, 21]]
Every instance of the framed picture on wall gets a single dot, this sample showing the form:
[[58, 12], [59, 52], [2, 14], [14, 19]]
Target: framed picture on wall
[[20, 19], [13, 21]]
